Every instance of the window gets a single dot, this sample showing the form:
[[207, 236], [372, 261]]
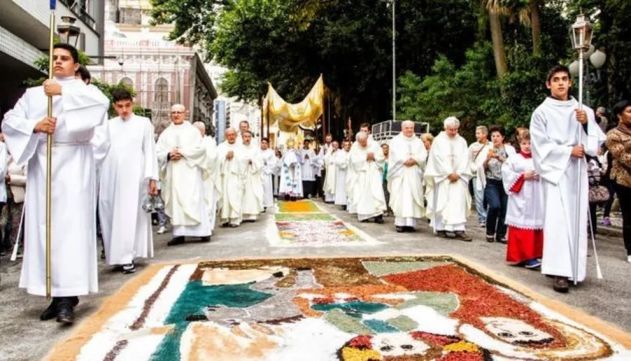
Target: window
[[161, 94]]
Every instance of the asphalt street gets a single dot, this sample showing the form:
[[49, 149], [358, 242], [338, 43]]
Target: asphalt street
[[24, 337]]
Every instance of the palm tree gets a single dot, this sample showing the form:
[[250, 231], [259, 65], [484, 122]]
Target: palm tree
[[495, 9]]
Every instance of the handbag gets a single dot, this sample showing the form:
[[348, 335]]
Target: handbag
[[598, 194]]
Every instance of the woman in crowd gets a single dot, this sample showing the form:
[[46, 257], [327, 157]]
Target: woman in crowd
[[619, 145], [494, 193]]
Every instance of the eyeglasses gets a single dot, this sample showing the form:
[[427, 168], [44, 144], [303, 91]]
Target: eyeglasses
[[177, 112]]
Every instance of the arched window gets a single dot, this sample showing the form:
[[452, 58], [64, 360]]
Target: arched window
[[127, 82], [161, 94]]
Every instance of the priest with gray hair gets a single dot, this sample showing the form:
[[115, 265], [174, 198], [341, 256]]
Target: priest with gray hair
[[447, 176], [406, 161]]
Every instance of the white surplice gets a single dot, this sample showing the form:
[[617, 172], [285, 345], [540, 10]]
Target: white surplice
[[448, 203], [525, 209], [210, 183], [127, 169], [230, 180], [405, 184], [290, 175], [368, 190], [252, 181], [340, 161], [79, 111], [308, 165], [267, 172], [183, 188], [329, 177], [554, 130], [4, 163]]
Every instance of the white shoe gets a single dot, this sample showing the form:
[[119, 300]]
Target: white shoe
[[629, 259], [162, 230]]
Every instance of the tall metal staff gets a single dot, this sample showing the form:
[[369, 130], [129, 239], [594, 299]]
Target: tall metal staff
[[581, 36], [49, 149]]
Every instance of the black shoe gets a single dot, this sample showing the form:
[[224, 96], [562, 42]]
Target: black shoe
[[378, 219], [175, 241], [409, 229], [249, 220], [490, 238], [205, 239], [400, 229], [343, 208], [442, 234], [66, 306], [128, 268], [502, 240], [560, 284], [462, 236], [50, 312]]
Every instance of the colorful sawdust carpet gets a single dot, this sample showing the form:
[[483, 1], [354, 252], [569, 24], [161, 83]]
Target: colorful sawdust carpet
[[388, 308], [304, 224]]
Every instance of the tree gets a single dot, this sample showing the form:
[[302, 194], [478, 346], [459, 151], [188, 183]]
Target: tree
[[291, 42], [495, 8]]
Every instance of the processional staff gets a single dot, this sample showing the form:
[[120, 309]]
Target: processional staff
[[49, 148]]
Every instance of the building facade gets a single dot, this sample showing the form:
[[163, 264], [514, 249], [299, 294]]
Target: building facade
[[24, 38], [161, 71]]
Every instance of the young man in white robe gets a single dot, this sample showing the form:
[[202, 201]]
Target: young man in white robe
[[561, 134], [210, 183], [329, 173], [77, 110], [406, 161], [128, 176], [230, 169], [267, 172], [252, 178], [291, 174], [341, 161], [309, 165], [447, 177], [367, 161], [183, 169]]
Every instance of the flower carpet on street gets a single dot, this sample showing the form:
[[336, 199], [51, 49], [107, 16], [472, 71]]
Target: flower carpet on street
[[304, 224], [321, 309]]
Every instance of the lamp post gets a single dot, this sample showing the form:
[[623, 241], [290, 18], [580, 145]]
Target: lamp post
[[394, 61], [69, 32]]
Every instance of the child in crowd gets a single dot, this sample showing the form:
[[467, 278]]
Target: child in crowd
[[525, 210]]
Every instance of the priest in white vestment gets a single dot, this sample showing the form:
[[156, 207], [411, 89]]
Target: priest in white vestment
[[367, 161], [252, 179], [267, 172], [128, 176], [447, 177], [210, 183], [309, 165], [291, 174], [406, 162], [230, 169], [244, 126], [183, 169], [341, 161], [561, 134], [77, 110], [329, 173]]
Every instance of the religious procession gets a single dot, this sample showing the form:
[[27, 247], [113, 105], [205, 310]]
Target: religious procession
[[298, 232]]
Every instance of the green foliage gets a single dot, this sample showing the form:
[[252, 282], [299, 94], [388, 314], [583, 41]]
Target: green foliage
[[291, 42], [467, 92]]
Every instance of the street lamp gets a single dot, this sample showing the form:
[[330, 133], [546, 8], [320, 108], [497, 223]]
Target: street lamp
[[394, 58], [69, 32]]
